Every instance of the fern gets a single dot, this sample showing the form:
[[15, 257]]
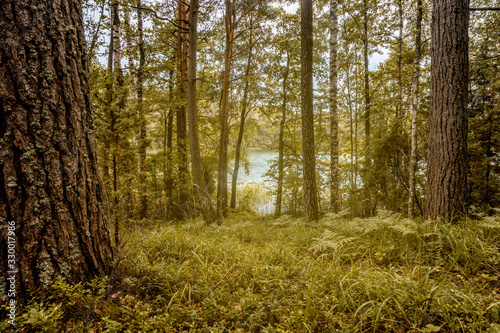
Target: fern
[[330, 241], [405, 230]]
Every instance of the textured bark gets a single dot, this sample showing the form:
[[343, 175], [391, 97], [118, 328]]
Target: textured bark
[[223, 138], [49, 182], [281, 143], [447, 176], [194, 139], [182, 139], [334, 118], [143, 210], [414, 121], [306, 74], [243, 116]]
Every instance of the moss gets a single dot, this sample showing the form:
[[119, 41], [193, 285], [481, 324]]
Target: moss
[[3, 290], [35, 124], [11, 181], [45, 269], [35, 223], [65, 269], [75, 256], [36, 208]]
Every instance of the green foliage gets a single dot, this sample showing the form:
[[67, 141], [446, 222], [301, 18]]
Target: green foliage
[[484, 114], [383, 274]]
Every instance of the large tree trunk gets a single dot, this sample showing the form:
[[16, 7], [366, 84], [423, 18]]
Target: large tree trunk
[[306, 69], [334, 118], [447, 169], [281, 143], [194, 139], [414, 121], [243, 116], [223, 139], [49, 185]]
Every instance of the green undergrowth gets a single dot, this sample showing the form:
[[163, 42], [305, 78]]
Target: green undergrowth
[[259, 274]]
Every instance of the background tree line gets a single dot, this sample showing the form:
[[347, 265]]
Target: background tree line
[[248, 82]]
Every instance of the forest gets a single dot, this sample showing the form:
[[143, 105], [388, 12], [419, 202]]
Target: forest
[[250, 166]]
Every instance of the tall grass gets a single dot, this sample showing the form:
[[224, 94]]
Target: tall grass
[[258, 274]]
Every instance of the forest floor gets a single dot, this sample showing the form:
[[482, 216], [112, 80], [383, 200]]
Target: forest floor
[[261, 274]]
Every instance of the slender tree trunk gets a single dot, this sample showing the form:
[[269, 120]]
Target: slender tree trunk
[[489, 155], [399, 106], [398, 129], [306, 69], [194, 140], [279, 190], [141, 115], [182, 139], [243, 115], [109, 109], [353, 137], [414, 121], [169, 181], [118, 93], [166, 115], [447, 168], [223, 139], [50, 197], [366, 204], [334, 119], [95, 36], [356, 164], [366, 91], [129, 46], [129, 49]]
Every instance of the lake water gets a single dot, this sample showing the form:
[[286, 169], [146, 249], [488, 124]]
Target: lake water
[[255, 185], [259, 164]]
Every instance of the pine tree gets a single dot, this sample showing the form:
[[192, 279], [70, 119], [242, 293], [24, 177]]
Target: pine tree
[[309, 157], [49, 184], [447, 168]]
